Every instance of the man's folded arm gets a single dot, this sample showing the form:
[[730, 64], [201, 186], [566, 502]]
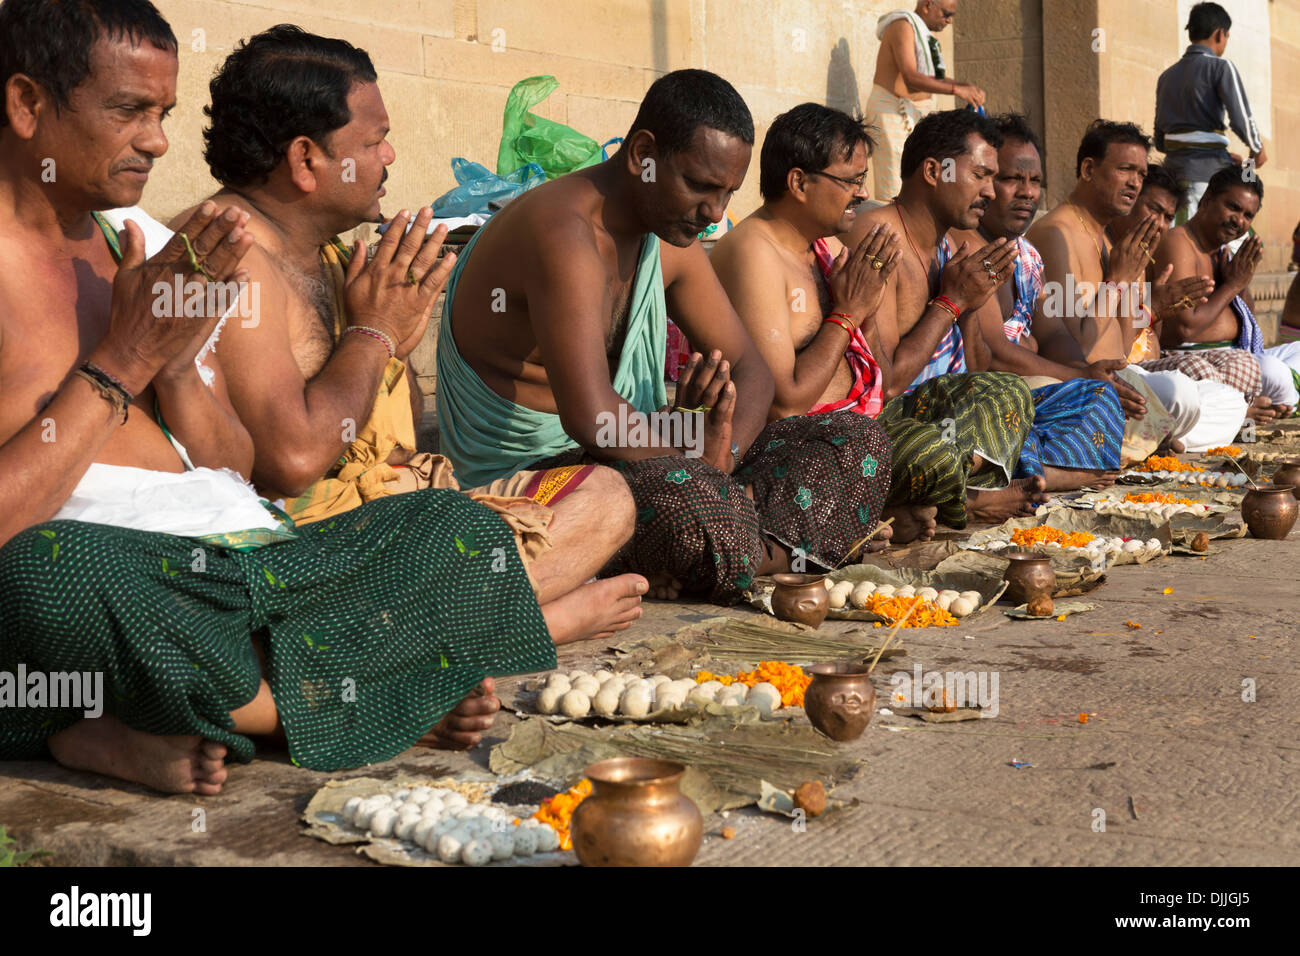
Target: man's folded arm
[[300, 426], [700, 307], [41, 463]]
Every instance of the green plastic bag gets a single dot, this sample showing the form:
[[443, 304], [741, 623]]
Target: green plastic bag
[[526, 138]]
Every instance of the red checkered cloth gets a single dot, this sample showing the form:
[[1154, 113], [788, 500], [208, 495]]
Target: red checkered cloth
[[1234, 367], [867, 394]]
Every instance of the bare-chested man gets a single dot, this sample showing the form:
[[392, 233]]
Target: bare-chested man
[[1078, 431], [811, 310], [909, 71], [555, 330], [120, 562], [1161, 197], [930, 341], [331, 412], [1226, 322], [1114, 323]]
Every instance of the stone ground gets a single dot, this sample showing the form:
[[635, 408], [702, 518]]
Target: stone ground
[[1185, 770]]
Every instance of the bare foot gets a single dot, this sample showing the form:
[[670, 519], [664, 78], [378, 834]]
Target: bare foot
[[912, 522], [170, 764], [1072, 479], [463, 727], [664, 587], [596, 610], [1019, 499], [881, 539], [1262, 411], [1171, 446]]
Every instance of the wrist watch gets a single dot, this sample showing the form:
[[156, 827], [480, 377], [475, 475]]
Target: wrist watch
[[735, 456]]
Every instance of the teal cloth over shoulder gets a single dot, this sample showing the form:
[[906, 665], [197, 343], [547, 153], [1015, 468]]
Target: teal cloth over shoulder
[[487, 437]]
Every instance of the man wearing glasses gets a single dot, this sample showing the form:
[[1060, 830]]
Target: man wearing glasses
[[812, 307], [909, 70]]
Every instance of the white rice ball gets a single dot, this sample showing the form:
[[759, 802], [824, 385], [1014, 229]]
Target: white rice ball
[[973, 596], [1133, 546], [906, 591], [1154, 545], [930, 594], [548, 841], [860, 593], [764, 696], [548, 701], [420, 795], [635, 702], [449, 848], [605, 703], [962, 607], [420, 832], [885, 590], [659, 679], [454, 800], [525, 841], [503, 844], [405, 826], [559, 680], [733, 695], [587, 685], [671, 698], [575, 704], [700, 697], [602, 675], [476, 852], [381, 824], [350, 807], [840, 594]]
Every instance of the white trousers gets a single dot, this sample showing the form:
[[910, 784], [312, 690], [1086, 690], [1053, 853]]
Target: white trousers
[[1206, 414], [1276, 365]]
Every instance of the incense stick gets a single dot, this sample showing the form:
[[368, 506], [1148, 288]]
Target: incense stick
[[880, 526], [899, 623]]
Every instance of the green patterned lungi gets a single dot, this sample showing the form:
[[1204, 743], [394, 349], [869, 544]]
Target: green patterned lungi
[[374, 625], [936, 429]]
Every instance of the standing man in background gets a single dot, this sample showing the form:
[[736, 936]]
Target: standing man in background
[[1191, 99], [909, 70]]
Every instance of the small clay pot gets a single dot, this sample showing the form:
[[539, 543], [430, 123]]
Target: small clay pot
[[1270, 511], [636, 815], [1028, 576], [801, 598], [840, 700], [1289, 474]]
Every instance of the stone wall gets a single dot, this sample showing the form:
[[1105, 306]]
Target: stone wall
[[1066, 62], [446, 66]]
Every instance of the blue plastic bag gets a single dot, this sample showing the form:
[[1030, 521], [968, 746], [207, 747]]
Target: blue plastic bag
[[480, 186]]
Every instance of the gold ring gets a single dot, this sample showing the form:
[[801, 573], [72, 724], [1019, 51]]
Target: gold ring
[[876, 263]]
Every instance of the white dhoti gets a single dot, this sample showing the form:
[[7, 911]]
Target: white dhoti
[[895, 117], [1205, 414], [1276, 366]]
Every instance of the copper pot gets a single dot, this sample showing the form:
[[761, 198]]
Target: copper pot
[[1270, 511], [636, 816], [801, 598], [840, 700], [1028, 576], [1289, 474]]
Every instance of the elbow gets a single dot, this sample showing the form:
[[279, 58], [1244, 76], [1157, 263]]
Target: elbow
[[291, 471]]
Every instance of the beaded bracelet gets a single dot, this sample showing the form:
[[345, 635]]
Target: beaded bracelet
[[375, 334], [109, 388]]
